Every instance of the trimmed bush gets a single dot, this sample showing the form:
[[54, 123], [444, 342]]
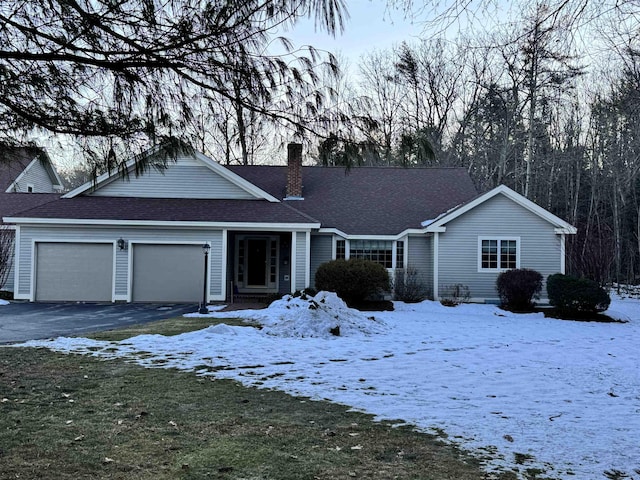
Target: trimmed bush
[[353, 280], [576, 295], [517, 288]]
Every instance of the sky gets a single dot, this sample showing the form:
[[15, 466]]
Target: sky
[[558, 395], [371, 25]]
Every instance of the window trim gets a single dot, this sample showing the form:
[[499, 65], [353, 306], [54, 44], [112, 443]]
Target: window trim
[[394, 246], [499, 240]]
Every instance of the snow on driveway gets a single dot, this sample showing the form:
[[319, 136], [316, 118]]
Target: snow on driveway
[[565, 393]]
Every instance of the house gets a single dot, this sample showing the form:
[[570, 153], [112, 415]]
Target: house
[[27, 179], [268, 228]]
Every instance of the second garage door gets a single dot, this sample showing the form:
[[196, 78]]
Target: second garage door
[[167, 273], [74, 272]]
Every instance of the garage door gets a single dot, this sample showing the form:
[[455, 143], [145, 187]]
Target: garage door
[[74, 272], [167, 273]]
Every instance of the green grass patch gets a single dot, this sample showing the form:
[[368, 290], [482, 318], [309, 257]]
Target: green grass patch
[[168, 327], [76, 417]]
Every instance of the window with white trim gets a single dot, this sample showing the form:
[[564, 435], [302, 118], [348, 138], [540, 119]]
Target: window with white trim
[[399, 254], [383, 252], [497, 254], [379, 251]]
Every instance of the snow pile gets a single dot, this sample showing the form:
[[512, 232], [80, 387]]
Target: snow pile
[[322, 316], [3, 302]]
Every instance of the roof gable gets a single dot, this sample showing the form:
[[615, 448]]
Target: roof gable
[[439, 224], [189, 176], [24, 165]]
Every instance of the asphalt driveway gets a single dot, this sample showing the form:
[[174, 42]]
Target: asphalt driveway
[[20, 322]]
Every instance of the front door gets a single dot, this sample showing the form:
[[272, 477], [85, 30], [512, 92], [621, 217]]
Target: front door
[[256, 264]]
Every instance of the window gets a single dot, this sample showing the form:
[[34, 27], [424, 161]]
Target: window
[[379, 251], [399, 254], [498, 254]]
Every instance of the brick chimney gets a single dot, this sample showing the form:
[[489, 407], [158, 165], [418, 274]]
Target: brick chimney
[[294, 171]]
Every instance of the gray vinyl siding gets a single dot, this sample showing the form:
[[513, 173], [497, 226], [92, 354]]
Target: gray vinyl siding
[[540, 247], [321, 252], [29, 234], [301, 260], [176, 181], [420, 257], [38, 176], [122, 272]]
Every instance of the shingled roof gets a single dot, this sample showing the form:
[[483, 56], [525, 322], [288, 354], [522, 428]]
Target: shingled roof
[[363, 201], [12, 204], [168, 210], [369, 200]]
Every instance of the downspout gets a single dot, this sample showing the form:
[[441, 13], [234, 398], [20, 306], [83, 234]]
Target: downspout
[[307, 255], [293, 262], [436, 265], [563, 253], [225, 266], [16, 262]]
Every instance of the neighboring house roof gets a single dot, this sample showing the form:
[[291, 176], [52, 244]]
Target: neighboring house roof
[[438, 224], [368, 200], [88, 209], [15, 161], [12, 204]]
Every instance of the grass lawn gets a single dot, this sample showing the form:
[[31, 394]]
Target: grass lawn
[[72, 417]]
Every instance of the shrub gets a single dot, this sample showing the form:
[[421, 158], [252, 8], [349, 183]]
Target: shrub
[[517, 288], [576, 295], [353, 280], [453, 295], [408, 285]]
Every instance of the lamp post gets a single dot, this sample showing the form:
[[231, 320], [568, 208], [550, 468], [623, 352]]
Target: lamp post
[[205, 249]]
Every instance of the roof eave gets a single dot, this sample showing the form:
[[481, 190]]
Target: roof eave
[[521, 200], [277, 226]]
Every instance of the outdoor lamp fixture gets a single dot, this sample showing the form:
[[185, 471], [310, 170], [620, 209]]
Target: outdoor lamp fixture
[[121, 244], [203, 307]]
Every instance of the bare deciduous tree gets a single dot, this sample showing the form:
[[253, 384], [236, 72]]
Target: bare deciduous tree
[[6, 253]]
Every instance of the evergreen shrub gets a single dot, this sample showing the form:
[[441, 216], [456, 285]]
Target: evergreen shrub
[[353, 280], [518, 288], [576, 295]]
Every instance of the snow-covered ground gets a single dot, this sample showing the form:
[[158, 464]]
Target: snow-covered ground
[[565, 393], [4, 302]]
